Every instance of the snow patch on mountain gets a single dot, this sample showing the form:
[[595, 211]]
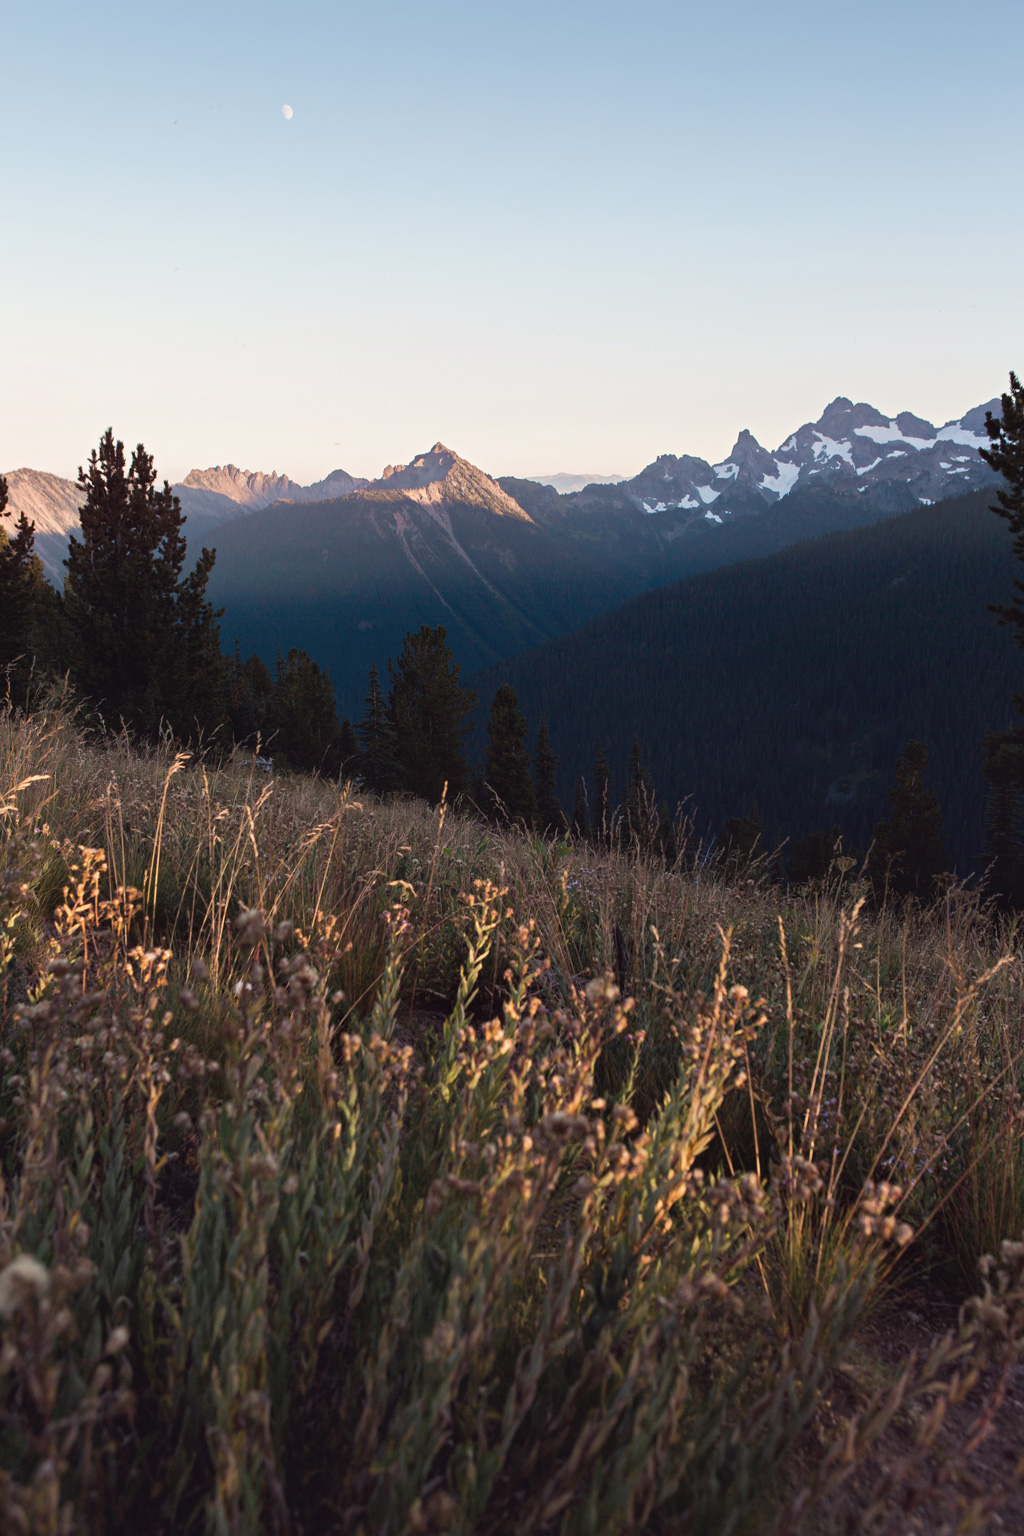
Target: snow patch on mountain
[[782, 482]]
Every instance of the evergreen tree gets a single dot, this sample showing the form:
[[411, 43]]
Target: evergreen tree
[[1004, 750], [428, 710], [142, 639], [250, 695], [304, 715], [580, 810], [508, 787], [377, 765], [742, 841], [601, 815], [908, 854], [667, 843], [348, 749], [812, 857], [1004, 770], [1006, 456], [550, 817], [25, 595], [640, 821]]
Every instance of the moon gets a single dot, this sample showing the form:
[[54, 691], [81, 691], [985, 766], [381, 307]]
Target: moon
[[287, 113]]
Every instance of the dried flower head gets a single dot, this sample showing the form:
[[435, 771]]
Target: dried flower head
[[24, 1279]]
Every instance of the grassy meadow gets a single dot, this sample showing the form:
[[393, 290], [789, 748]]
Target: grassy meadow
[[369, 1170]]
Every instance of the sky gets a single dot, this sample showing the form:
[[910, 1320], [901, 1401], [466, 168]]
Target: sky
[[566, 235]]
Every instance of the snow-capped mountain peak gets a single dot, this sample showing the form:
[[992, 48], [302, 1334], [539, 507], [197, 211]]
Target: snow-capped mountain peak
[[851, 448]]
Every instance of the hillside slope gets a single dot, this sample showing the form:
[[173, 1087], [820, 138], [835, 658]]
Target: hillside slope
[[432, 542], [794, 680]]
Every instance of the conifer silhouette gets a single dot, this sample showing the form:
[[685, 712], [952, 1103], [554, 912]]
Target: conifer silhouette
[[428, 710], [508, 788], [143, 642], [305, 716], [550, 816], [376, 765], [908, 853], [24, 592]]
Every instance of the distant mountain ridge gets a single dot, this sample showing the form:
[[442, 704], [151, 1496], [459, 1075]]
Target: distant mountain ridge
[[208, 498], [901, 461], [507, 564], [214, 495], [894, 462], [564, 483]]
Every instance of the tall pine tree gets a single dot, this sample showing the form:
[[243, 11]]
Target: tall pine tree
[[429, 710], [509, 794], [1006, 456], [550, 817], [250, 694], [1004, 770], [640, 818], [24, 592], [142, 639], [908, 853], [1004, 757], [377, 764], [304, 714]]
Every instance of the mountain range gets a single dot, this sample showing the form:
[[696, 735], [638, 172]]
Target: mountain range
[[344, 567]]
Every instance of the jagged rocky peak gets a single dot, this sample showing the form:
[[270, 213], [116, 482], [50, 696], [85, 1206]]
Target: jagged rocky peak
[[254, 489], [441, 476], [247, 487], [425, 469], [842, 417], [747, 458]]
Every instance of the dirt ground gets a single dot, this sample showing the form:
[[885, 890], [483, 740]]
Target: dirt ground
[[995, 1463]]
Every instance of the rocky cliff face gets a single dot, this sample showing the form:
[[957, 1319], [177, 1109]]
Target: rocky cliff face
[[208, 498], [440, 477], [51, 503], [252, 489]]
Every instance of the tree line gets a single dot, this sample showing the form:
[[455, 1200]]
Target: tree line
[[137, 637]]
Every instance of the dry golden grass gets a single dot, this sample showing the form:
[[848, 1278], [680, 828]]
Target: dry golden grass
[[368, 1169]]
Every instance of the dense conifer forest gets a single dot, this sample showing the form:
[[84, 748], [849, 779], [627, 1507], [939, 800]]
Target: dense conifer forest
[[793, 682]]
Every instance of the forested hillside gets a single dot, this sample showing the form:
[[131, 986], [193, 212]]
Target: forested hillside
[[794, 680]]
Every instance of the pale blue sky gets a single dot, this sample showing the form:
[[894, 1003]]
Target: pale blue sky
[[555, 236]]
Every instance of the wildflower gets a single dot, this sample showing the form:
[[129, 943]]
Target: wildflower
[[250, 925], [602, 990], [24, 1279]]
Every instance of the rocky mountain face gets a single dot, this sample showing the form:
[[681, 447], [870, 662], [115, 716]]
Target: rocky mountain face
[[208, 498], [211, 496], [434, 541], [439, 478], [896, 462], [50, 502]]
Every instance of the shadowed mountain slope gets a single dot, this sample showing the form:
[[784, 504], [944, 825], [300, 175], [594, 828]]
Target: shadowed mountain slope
[[432, 542], [795, 680]]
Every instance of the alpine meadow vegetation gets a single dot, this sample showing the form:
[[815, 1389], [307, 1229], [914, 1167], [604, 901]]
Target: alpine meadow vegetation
[[369, 1168]]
